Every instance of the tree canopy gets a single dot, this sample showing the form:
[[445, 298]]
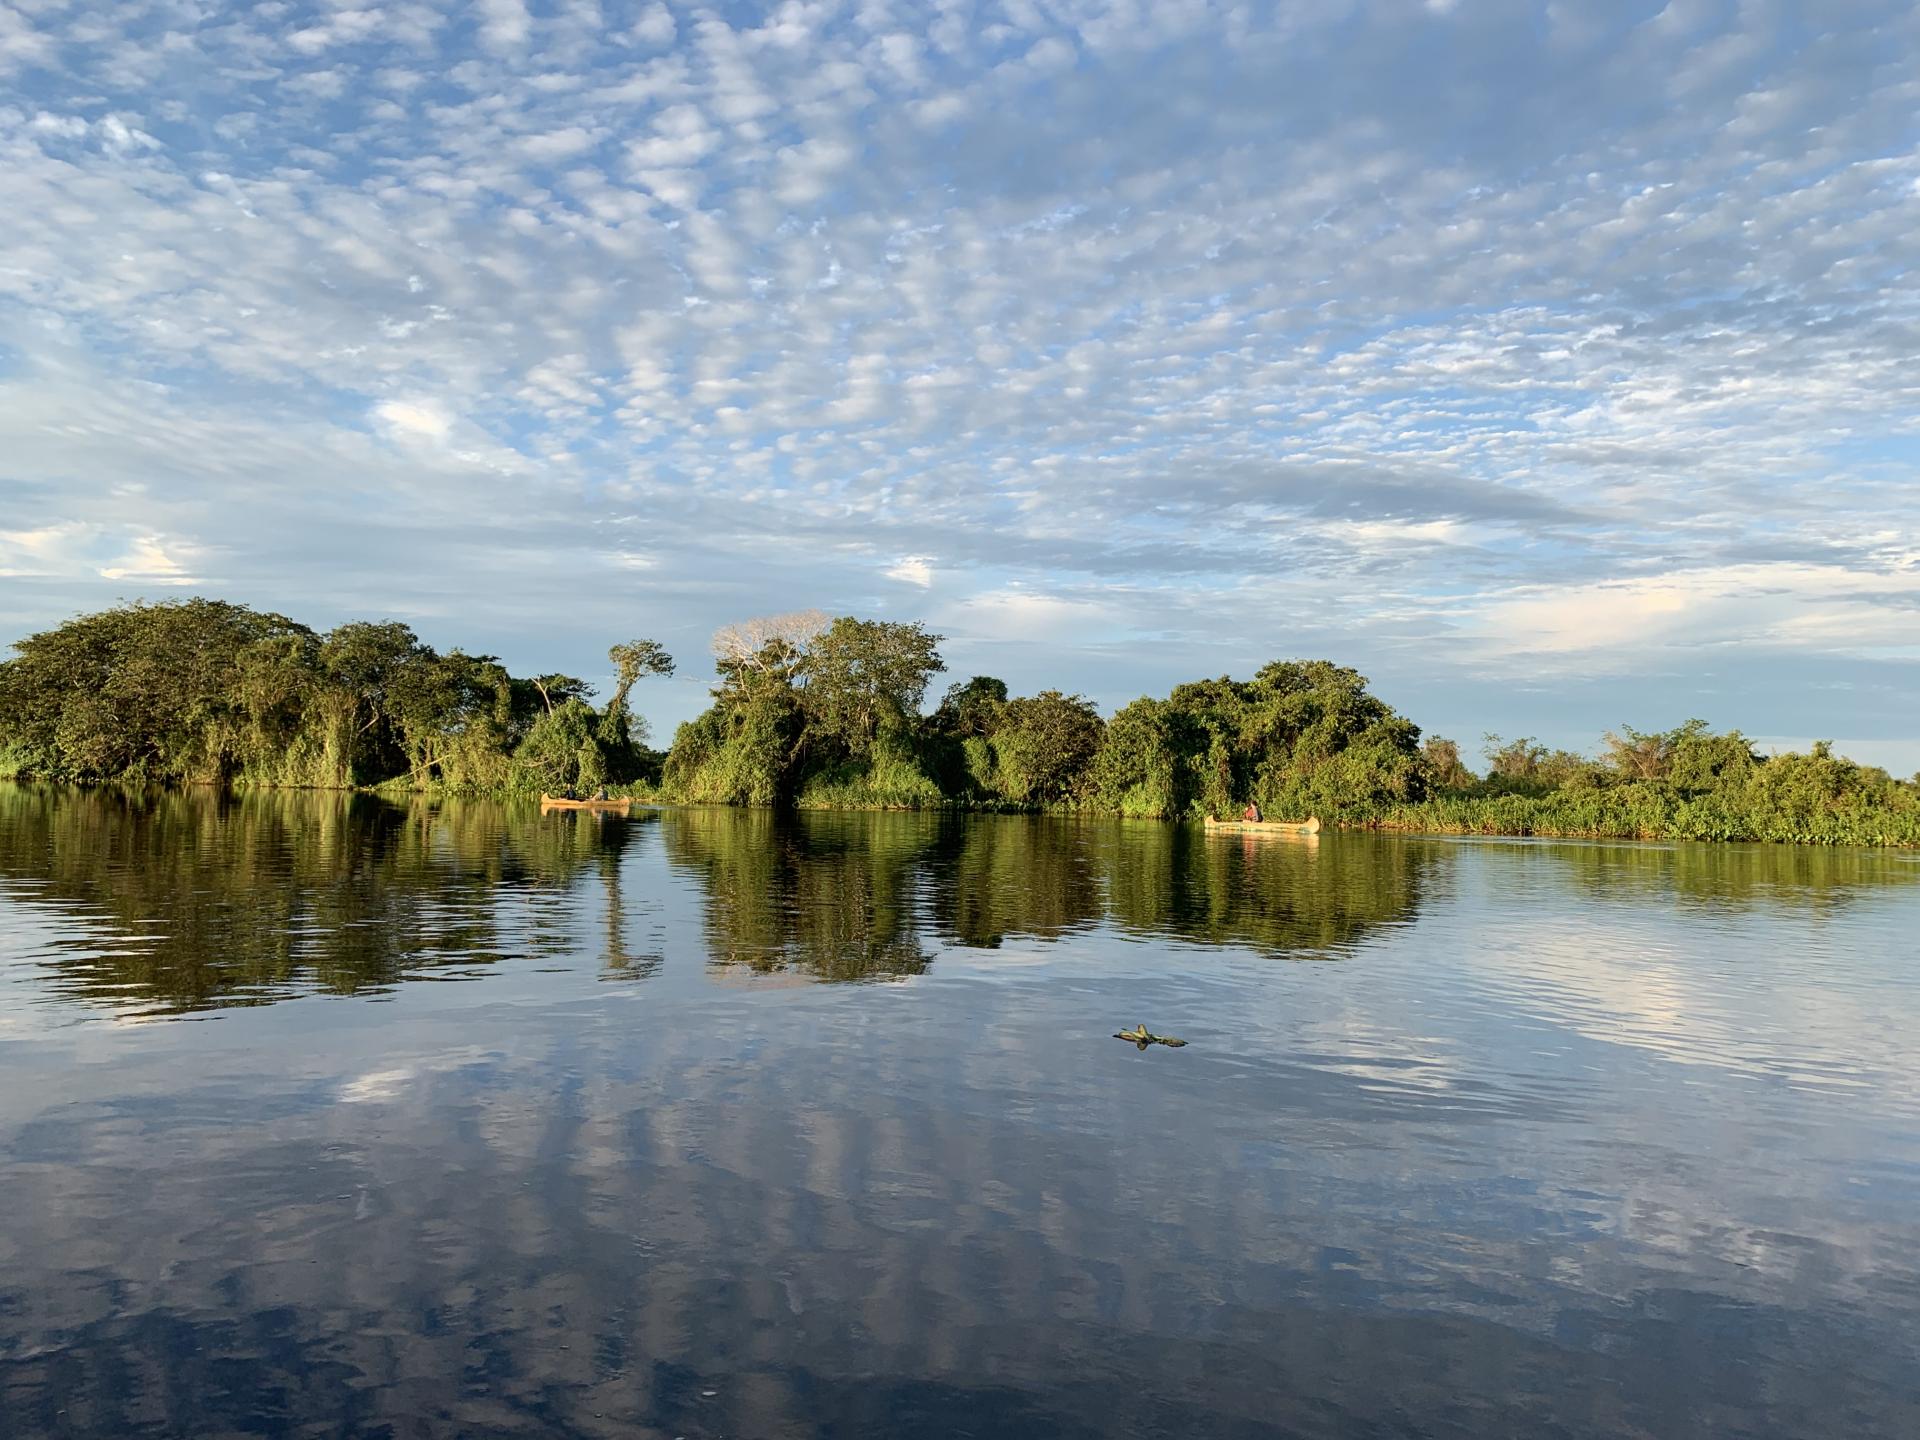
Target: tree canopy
[[204, 691], [823, 711]]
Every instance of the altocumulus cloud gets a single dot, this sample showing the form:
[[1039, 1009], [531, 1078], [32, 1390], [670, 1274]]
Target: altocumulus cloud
[[1510, 351]]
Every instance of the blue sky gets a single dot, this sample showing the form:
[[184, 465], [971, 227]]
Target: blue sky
[[1557, 365]]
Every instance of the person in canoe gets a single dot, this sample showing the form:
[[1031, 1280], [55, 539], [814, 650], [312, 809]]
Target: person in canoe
[[1252, 812]]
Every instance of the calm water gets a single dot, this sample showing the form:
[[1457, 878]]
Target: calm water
[[320, 1116]]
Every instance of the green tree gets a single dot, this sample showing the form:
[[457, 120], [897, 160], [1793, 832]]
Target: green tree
[[1445, 770], [620, 731], [1519, 759], [1139, 768], [861, 672], [1639, 755], [1043, 745], [1700, 760], [452, 713], [143, 690], [563, 752], [552, 691], [970, 707], [353, 707]]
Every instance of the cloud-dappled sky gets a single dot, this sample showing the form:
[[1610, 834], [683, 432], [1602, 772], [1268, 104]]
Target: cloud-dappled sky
[[1555, 364]]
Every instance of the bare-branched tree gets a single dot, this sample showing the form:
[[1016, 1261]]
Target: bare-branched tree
[[745, 642]]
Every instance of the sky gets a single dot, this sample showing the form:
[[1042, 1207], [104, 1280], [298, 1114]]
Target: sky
[[1556, 365]]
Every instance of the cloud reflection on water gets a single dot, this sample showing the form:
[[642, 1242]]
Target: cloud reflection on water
[[1452, 1184]]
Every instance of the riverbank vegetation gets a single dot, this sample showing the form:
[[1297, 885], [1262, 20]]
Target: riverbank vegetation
[[818, 712], [205, 692]]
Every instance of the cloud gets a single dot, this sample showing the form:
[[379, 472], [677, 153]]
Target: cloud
[[47, 550], [154, 560], [561, 144], [21, 45], [504, 25], [654, 26], [66, 550], [911, 570], [1016, 615], [423, 420], [1242, 329], [1824, 608], [807, 170]]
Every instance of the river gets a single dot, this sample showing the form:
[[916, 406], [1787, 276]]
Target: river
[[321, 1115]]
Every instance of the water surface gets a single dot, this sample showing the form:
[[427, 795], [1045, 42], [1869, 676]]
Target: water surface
[[324, 1116]]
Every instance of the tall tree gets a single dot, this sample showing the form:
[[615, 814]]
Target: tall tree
[[452, 712], [631, 661], [556, 689], [359, 663], [863, 671], [755, 643]]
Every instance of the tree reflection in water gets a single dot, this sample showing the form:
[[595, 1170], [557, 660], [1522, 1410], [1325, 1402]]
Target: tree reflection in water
[[177, 900], [1574, 1140], [828, 896], [167, 901]]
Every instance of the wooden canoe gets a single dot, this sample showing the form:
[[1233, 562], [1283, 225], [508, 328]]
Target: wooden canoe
[[549, 802], [1308, 826]]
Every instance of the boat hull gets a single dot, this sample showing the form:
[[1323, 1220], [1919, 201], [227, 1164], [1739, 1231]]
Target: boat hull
[[1308, 826], [548, 802]]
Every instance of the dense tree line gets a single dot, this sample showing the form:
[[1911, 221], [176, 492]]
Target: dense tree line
[[821, 712], [824, 713], [205, 692], [1688, 783]]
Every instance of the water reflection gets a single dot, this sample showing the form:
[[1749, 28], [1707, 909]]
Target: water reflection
[[1573, 1140], [823, 896], [1813, 878], [184, 900], [831, 1240], [172, 901]]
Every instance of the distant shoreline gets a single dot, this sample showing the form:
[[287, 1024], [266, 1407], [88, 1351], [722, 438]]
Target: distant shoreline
[[816, 712]]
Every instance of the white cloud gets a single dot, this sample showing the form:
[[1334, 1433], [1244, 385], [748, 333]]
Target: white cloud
[[1015, 614], [911, 570], [681, 137], [1787, 606], [414, 419], [154, 560], [504, 24], [561, 144], [654, 26], [807, 170], [47, 550], [1051, 55], [21, 45], [119, 137]]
